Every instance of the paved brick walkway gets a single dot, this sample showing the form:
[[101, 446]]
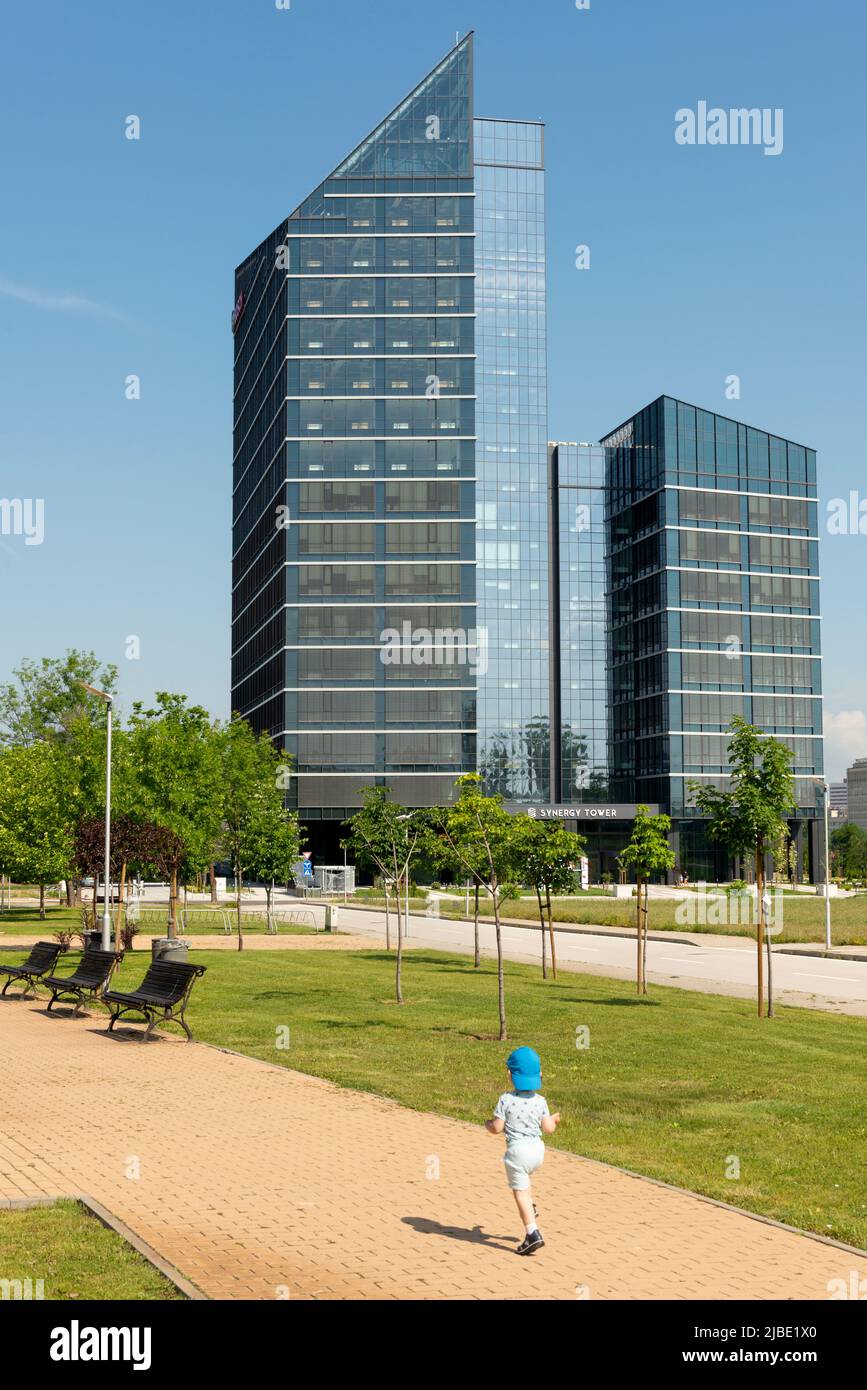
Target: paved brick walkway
[[261, 1183]]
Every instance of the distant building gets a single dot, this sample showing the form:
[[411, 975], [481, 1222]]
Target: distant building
[[839, 804], [857, 803]]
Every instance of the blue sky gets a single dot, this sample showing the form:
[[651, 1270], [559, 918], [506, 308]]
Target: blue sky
[[116, 258]]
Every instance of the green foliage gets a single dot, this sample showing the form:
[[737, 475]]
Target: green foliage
[[648, 851], [35, 834], [172, 772], [849, 851], [750, 817], [545, 855], [46, 700]]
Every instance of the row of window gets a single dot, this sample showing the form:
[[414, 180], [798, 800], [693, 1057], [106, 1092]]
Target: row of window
[[358, 337], [421, 707], [360, 581], [400, 538], [757, 513]]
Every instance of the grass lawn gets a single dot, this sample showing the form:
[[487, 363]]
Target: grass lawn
[[671, 1086], [803, 917], [75, 1256]]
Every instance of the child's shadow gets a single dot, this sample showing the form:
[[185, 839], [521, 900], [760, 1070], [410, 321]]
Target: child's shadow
[[476, 1236]]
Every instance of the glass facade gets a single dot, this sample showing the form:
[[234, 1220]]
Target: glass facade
[[514, 718], [713, 608], [354, 614], [421, 585], [579, 666]]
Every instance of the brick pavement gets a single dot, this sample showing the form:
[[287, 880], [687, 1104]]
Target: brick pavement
[[263, 1183]]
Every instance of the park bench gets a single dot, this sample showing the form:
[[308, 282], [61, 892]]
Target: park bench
[[162, 996], [90, 977], [43, 957]]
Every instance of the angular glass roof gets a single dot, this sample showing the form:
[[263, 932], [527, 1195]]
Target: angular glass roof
[[429, 133]]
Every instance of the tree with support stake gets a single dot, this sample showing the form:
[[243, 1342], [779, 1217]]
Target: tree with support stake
[[648, 853], [546, 855], [383, 833], [750, 819], [479, 834]]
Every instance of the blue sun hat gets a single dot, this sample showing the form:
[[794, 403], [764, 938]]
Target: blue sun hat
[[526, 1069]]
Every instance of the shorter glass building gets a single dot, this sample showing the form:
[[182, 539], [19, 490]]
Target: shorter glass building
[[713, 611]]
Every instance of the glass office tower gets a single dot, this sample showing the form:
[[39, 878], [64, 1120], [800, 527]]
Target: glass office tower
[[713, 611], [511, 459], [357, 639]]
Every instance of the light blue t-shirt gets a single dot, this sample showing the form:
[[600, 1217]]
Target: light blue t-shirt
[[523, 1112]]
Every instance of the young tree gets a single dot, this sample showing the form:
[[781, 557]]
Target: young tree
[[750, 817], [385, 834], [648, 853], [270, 840], [174, 772], [47, 703], [545, 857], [480, 835], [250, 785], [35, 839], [454, 868]]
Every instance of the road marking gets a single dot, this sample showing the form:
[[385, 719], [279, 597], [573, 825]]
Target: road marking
[[829, 979]]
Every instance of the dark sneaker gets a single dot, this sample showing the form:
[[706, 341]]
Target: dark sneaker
[[530, 1244]]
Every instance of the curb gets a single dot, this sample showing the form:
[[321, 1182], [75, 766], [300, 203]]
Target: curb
[[113, 1223]]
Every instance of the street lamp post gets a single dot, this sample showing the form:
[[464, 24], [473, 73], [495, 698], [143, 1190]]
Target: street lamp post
[[826, 797], [106, 911]]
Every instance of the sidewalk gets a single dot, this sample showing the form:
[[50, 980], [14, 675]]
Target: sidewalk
[[262, 1183]]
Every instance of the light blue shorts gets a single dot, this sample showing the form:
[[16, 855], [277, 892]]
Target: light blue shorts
[[522, 1157]]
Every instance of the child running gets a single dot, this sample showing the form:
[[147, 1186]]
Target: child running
[[525, 1117]]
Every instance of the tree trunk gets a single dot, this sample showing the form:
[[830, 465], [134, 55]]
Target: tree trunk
[[477, 960], [70, 893], [173, 904], [551, 931], [760, 888], [542, 926], [501, 989], [42, 902], [398, 981], [120, 908], [644, 944], [268, 892], [238, 907], [387, 917], [639, 957], [213, 885]]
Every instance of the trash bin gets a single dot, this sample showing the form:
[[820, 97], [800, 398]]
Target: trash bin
[[92, 938], [170, 948]]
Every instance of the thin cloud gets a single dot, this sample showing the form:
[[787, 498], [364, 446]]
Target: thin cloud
[[56, 303], [845, 739]]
